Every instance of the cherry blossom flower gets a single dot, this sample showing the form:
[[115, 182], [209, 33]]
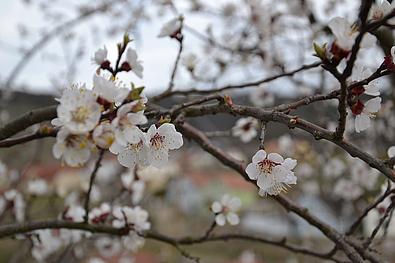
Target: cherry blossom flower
[[172, 28], [135, 218], [347, 189], [346, 34], [133, 242], [37, 187], [381, 9], [74, 213], [73, 149], [104, 135], [245, 129], [126, 121], [107, 246], [225, 210], [108, 90], [100, 56], [99, 214], [78, 110], [135, 150], [160, 141], [364, 112], [261, 98], [135, 187], [272, 172], [189, 61], [45, 243], [360, 73], [132, 63], [17, 203]]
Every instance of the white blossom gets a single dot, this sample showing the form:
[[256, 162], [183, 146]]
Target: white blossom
[[78, 110], [135, 187], [74, 213], [133, 242], [360, 73], [100, 56], [108, 90], [160, 141], [245, 129], [45, 243], [171, 27], [18, 204], [108, 246], [99, 214], [272, 172], [135, 217], [37, 187], [225, 210], [134, 64], [73, 149], [346, 34], [134, 152], [104, 135], [189, 61], [347, 189], [125, 121], [381, 9], [364, 112]]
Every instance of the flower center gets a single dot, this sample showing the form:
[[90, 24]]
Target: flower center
[[80, 114], [157, 141], [267, 165], [357, 108], [246, 127], [135, 146]]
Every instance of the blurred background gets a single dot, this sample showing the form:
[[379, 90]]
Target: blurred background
[[46, 46]]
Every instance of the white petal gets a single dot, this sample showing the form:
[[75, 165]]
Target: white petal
[[252, 171], [133, 135], [233, 219], [216, 207], [158, 158], [289, 163], [368, 40], [373, 105], [362, 122], [259, 156], [372, 89], [116, 148], [128, 158], [220, 219], [275, 157]]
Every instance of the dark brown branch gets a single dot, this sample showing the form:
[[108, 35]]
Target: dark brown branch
[[91, 181], [359, 220], [199, 137], [27, 120]]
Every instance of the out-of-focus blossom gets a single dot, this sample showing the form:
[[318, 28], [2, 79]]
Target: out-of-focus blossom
[[37, 187], [132, 63], [133, 186], [100, 214], [100, 56], [136, 218], [245, 129], [171, 28], [226, 210]]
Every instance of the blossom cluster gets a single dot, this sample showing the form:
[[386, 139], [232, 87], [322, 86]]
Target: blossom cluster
[[110, 116]]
